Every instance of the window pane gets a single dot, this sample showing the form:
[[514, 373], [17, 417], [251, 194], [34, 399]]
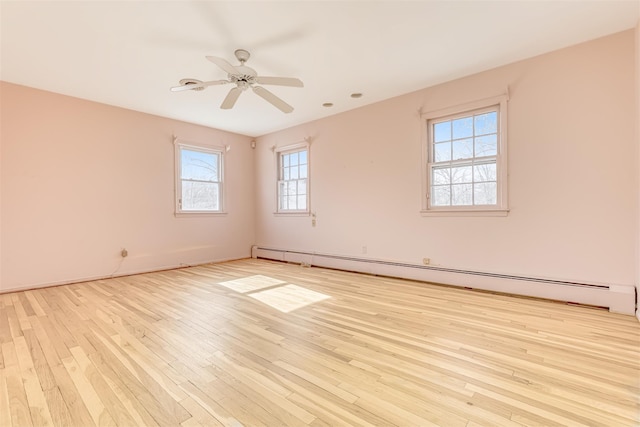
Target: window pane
[[302, 186], [486, 123], [484, 172], [463, 159], [198, 165], [463, 149], [441, 195], [461, 174], [442, 131], [291, 188], [442, 152], [292, 191], [485, 193], [486, 145], [294, 159], [302, 202], [441, 176], [199, 196], [282, 199], [461, 194], [463, 128]]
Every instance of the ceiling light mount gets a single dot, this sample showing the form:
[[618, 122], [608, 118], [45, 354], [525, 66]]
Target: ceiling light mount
[[242, 55]]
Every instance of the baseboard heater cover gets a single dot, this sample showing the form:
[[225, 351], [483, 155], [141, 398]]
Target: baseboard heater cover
[[618, 298]]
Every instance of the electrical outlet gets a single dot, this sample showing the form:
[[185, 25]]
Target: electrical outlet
[[124, 253], [426, 261], [364, 249]]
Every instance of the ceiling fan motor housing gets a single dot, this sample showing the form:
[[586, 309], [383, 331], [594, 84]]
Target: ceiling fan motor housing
[[245, 75]]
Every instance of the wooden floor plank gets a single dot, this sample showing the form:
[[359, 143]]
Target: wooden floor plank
[[5, 404], [111, 365], [58, 409], [108, 398], [94, 404], [212, 406], [14, 388], [177, 348], [126, 399], [199, 413], [38, 407], [5, 329], [40, 365]]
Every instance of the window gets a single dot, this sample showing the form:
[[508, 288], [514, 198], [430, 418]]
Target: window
[[199, 179], [293, 179], [466, 160]]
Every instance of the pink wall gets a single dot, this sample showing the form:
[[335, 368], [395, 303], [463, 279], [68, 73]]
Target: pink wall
[[637, 73], [2, 106], [82, 180], [573, 180]]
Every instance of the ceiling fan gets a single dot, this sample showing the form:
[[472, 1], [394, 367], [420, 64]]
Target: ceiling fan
[[244, 78]]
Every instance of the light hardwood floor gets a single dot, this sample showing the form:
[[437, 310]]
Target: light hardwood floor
[[180, 348]]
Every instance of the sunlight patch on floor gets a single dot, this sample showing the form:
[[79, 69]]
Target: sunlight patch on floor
[[289, 297], [251, 283]]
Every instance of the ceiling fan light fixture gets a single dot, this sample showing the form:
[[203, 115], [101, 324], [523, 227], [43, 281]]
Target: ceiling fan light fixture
[[186, 82]]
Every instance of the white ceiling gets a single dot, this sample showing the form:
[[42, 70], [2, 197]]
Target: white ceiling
[[128, 53]]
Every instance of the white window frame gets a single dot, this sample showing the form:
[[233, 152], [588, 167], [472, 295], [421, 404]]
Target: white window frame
[[501, 208], [290, 149], [219, 151]]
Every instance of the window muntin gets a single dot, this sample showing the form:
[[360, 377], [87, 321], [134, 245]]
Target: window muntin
[[293, 180], [199, 186], [463, 155]]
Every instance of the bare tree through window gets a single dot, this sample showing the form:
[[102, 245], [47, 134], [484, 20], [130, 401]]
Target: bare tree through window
[[463, 153], [200, 180]]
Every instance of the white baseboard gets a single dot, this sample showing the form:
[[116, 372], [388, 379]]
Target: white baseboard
[[617, 298]]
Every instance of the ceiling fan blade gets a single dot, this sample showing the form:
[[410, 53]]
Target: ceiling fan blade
[[231, 98], [192, 86], [280, 81], [222, 63], [271, 98]]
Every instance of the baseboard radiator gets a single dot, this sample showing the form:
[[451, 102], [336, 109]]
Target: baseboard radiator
[[617, 298]]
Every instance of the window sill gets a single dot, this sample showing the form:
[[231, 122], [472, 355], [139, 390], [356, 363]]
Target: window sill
[[467, 212], [198, 213], [292, 214]]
